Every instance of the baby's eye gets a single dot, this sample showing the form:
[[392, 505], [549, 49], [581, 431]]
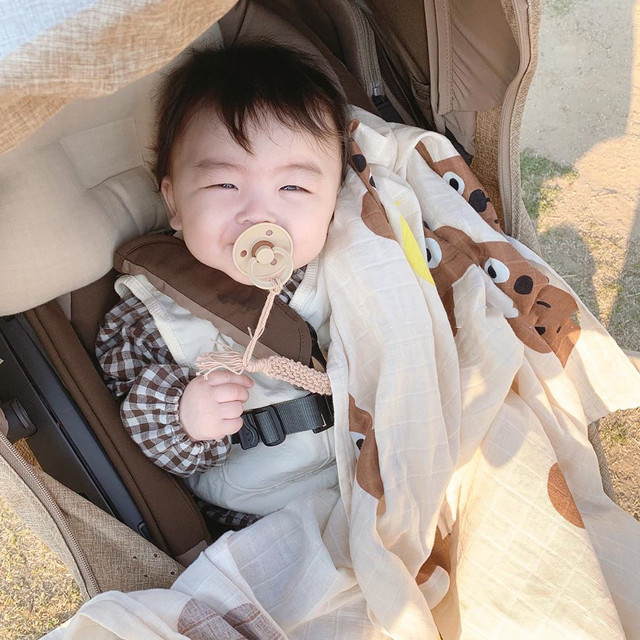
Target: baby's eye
[[222, 185], [292, 187]]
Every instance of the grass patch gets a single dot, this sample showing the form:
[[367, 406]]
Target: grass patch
[[37, 593], [540, 186], [615, 431]]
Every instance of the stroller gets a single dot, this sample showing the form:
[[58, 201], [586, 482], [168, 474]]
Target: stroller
[[76, 186]]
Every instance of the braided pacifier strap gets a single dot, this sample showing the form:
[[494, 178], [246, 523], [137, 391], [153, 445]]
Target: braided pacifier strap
[[278, 367]]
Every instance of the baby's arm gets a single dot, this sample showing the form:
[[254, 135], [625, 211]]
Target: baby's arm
[[138, 365]]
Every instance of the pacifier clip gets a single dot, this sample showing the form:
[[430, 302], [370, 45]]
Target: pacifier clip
[[264, 253]]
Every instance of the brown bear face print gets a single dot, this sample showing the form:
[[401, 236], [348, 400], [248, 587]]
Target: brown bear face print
[[457, 173], [367, 466], [552, 318], [359, 164], [373, 213], [544, 319], [507, 268], [542, 306], [447, 265], [561, 497]]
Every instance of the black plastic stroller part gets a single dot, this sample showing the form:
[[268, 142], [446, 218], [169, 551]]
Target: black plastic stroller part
[[19, 425], [37, 406]]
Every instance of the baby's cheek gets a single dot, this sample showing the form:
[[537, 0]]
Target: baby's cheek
[[307, 246]]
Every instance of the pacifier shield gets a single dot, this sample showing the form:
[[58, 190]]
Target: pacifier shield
[[264, 253]]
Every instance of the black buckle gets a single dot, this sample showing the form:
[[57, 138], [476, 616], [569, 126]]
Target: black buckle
[[269, 425], [260, 424], [248, 436], [265, 424], [325, 406]]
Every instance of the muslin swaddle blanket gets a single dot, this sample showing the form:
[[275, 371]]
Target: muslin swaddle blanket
[[464, 375]]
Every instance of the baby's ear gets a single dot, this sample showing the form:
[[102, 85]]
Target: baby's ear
[[167, 193]]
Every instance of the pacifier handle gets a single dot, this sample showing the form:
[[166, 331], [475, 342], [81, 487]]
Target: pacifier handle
[[262, 283], [264, 252]]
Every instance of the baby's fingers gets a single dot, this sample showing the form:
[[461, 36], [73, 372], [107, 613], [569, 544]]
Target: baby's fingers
[[230, 392], [222, 376], [231, 410], [232, 426]]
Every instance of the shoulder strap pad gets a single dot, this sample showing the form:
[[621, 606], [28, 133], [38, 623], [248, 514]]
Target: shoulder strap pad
[[212, 295]]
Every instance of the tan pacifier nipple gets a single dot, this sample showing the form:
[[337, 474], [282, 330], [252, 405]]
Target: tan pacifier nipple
[[264, 253]]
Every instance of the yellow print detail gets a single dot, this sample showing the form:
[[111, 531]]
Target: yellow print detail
[[414, 255]]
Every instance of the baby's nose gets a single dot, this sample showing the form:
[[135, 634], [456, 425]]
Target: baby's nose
[[256, 212]]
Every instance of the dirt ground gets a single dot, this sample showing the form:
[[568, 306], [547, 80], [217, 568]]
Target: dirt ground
[[582, 167], [583, 118]]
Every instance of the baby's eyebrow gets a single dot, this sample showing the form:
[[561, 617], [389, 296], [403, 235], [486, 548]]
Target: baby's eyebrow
[[208, 164], [308, 167]]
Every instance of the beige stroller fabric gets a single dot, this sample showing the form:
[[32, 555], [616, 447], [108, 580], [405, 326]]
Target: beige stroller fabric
[[470, 501], [79, 187], [94, 51]]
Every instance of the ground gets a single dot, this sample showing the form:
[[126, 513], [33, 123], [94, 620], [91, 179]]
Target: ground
[[581, 176], [581, 173]]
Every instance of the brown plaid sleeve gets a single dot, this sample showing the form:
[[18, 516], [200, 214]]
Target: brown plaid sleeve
[[138, 365]]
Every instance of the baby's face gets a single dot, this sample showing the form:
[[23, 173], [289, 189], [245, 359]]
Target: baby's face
[[217, 190]]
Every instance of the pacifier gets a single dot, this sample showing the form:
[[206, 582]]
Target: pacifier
[[264, 253]]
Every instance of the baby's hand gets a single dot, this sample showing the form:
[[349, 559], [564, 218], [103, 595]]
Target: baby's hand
[[211, 408]]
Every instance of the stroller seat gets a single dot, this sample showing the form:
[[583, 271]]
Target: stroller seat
[[79, 187], [99, 195]]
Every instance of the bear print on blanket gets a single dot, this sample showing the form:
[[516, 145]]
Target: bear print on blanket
[[543, 313], [457, 173], [368, 466]]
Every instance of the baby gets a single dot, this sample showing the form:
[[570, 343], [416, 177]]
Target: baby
[[250, 134]]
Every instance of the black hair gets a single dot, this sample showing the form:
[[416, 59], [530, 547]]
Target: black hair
[[242, 83]]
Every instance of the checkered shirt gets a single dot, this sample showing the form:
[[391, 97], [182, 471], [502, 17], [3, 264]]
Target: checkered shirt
[[139, 368]]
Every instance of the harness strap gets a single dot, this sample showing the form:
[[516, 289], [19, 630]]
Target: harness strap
[[273, 423], [212, 295]]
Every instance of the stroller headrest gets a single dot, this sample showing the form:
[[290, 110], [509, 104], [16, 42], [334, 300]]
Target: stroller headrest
[[73, 192], [79, 187]]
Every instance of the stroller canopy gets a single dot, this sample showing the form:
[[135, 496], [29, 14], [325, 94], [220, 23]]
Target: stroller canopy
[[455, 67]]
